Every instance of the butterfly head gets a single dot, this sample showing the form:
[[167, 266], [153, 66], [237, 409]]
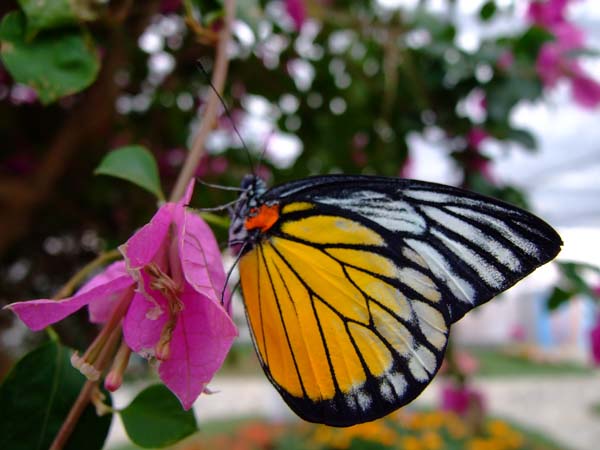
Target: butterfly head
[[247, 205]]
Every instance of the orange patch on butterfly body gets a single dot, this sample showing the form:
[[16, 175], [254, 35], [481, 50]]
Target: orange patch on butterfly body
[[263, 217]]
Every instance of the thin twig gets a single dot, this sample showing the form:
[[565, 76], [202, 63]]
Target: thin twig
[[83, 399], [82, 274], [210, 114]]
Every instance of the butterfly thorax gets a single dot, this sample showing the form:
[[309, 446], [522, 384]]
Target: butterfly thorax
[[252, 215]]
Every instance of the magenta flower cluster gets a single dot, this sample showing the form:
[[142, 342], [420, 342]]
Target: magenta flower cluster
[[557, 59], [166, 296]]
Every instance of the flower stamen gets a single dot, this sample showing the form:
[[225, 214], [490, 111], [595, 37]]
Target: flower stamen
[[114, 378], [87, 364]]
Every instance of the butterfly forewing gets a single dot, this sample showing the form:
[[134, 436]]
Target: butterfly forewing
[[351, 294]]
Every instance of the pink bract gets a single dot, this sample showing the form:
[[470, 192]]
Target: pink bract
[[297, 12], [595, 342], [547, 13], [179, 311]]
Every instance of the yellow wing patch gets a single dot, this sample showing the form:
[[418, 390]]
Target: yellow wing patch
[[327, 319], [296, 206], [331, 230]]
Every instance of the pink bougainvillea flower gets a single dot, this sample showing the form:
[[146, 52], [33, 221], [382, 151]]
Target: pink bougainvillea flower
[[167, 296], [169, 6], [595, 342], [547, 13], [556, 60], [476, 136], [297, 12], [586, 91], [460, 399]]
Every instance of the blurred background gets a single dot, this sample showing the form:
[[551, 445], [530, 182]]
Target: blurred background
[[499, 96]]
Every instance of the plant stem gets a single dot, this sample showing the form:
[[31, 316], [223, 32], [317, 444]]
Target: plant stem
[[83, 399], [82, 274], [218, 81]]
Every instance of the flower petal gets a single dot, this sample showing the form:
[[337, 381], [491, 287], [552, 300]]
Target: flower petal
[[147, 243], [143, 324], [201, 259], [586, 91], [99, 312], [201, 339], [38, 314]]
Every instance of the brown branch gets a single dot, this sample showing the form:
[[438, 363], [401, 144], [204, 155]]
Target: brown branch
[[210, 114]]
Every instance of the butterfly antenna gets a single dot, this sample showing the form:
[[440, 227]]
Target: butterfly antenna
[[220, 207], [229, 115], [218, 186], [230, 272]]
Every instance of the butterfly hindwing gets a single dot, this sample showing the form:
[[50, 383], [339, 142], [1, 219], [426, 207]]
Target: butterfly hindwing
[[351, 294]]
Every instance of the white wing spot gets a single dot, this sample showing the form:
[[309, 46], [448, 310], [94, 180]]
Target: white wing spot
[[422, 364], [398, 382], [442, 270], [364, 400], [385, 390], [503, 254], [394, 215], [507, 232], [488, 273]]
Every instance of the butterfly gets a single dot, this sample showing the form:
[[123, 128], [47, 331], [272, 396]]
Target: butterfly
[[351, 283]]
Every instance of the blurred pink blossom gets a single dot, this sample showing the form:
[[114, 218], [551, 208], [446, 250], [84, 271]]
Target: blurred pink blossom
[[586, 91], [297, 12], [476, 136], [518, 333], [556, 60], [506, 60], [595, 342], [460, 399], [407, 168], [22, 94], [169, 6], [547, 13]]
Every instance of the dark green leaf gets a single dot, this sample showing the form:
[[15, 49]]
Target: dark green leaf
[[135, 164], [571, 272], [503, 95], [558, 297], [488, 10], [55, 64], [529, 43], [36, 397], [519, 135], [47, 14], [155, 418]]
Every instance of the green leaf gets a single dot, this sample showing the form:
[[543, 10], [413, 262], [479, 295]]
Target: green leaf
[[36, 397], [55, 64], [47, 14], [519, 135], [504, 94], [488, 10], [135, 164], [529, 43], [571, 271], [558, 297], [155, 418]]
